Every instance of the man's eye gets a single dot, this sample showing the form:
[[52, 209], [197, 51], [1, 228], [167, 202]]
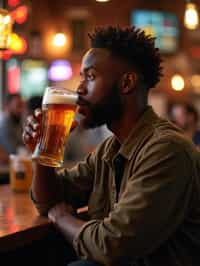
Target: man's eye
[[90, 77]]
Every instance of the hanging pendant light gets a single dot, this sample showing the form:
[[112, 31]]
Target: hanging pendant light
[[5, 29], [191, 18], [102, 0]]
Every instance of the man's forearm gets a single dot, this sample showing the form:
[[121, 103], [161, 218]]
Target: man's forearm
[[45, 186], [67, 223]]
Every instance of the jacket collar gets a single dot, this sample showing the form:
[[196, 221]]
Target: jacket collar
[[134, 139]]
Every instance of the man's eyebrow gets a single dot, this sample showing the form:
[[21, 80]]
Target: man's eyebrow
[[85, 70]]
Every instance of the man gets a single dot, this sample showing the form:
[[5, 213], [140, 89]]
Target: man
[[141, 185], [11, 124]]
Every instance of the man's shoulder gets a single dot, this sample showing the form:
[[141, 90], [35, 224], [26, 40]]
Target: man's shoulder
[[167, 135], [163, 128]]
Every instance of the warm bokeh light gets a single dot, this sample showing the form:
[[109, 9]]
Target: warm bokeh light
[[177, 83], [195, 81], [53, 51], [18, 44], [7, 19], [191, 19], [5, 54], [102, 0], [5, 29], [195, 51], [59, 40], [20, 14], [13, 3]]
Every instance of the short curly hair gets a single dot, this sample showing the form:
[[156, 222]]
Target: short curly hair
[[134, 46]]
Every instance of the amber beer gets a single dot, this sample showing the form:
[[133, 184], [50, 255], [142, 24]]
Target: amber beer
[[20, 173], [58, 107]]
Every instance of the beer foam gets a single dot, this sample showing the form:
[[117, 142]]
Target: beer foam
[[60, 99]]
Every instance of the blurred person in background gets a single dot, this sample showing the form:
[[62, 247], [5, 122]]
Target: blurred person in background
[[81, 142], [191, 125], [186, 116], [11, 126], [142, 184], [177, 115]]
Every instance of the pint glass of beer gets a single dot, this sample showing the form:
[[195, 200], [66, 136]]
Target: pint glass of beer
[[58, 111], [21, 173]]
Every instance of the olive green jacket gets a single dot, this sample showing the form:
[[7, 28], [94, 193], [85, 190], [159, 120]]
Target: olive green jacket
[[156, 220]]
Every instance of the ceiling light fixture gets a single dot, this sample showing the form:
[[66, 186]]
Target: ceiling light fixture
[[191, 18], [102, 0]]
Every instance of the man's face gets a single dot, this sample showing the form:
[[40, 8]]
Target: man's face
[[100, 101]]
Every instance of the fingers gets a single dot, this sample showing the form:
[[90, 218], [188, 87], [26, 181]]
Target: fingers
[[29, 136], [31, 130], [29, 141], [59, 210], [38, 114], [51, 217], [32, 122]]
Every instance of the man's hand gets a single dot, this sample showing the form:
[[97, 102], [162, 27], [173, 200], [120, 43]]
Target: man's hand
[[66, 223], [32, 129], [59, 211]]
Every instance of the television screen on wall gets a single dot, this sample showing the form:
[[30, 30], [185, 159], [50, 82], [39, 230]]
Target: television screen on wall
[[162, 25]]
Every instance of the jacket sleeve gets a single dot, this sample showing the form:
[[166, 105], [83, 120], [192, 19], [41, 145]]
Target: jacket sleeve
[[75, 185], [77, 182], [149, 211]]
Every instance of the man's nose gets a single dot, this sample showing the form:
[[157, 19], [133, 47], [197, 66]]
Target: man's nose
[[82, 90]]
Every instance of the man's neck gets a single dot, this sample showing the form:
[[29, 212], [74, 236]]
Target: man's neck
[[122, 127]]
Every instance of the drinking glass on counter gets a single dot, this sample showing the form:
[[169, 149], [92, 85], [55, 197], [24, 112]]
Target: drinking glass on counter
[[21, 173]]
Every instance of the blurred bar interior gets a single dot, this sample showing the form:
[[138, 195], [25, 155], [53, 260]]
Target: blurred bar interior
[[48, 50], [49, 38]]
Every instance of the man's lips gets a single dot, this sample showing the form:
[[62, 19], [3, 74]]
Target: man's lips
[[82, 106], [81, 101]]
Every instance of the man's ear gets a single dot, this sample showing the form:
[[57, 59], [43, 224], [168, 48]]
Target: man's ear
[[128, 84]]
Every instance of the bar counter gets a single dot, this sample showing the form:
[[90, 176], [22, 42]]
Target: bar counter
[[20, 223], [27, 238]]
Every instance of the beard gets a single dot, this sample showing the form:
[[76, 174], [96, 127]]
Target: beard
[[108, 110]]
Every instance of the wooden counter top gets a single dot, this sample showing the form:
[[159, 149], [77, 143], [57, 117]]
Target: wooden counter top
[[20, 223]]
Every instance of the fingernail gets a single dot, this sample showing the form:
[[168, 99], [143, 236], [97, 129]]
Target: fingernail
[[37, 112], [34, 134], [35, 126]]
